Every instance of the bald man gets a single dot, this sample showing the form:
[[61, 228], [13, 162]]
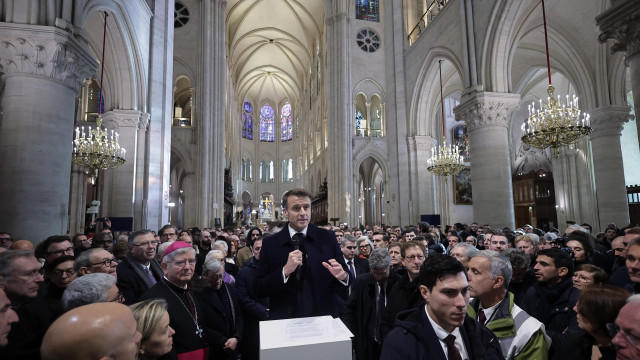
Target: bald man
[[81, 334], [22, 245]]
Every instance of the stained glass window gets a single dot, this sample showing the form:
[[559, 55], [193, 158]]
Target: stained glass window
[[247, 120], [368, 10], [267, 127], [286, 123]]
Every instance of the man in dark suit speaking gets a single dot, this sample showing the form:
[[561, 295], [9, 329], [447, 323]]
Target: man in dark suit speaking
[[301, 268]]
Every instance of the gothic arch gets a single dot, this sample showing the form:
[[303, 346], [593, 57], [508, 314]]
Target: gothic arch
[[426, 95]]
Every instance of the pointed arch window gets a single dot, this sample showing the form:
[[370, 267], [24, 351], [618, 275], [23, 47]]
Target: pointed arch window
[[286, 123], [267, 127], [247, 120]]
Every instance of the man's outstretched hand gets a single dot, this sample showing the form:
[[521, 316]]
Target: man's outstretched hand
[[336, 269]]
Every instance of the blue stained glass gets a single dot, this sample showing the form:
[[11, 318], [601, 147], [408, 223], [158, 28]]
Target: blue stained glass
[[286, 123], [368, 10], [247, 121], [267, 126]]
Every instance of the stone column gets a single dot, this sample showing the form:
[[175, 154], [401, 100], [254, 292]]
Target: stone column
[[621, 23], [426, 188], [339, 114], [121, 189], [487, 116], [43, 70], [608, 169]]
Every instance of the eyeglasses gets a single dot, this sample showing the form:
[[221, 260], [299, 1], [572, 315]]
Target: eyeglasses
[[5, 239], [146, 243], [68, 250], [413, 257], [614, 330], [106, 262], [59, 273], [119, 298], [183, 263], [167, 235], [364, 246], [30, 275]]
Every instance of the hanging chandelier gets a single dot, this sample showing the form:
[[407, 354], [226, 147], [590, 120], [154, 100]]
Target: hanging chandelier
[[96, 148], [445, 160], [554, 123]]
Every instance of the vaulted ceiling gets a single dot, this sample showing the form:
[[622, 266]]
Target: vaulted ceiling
[[271, 46]]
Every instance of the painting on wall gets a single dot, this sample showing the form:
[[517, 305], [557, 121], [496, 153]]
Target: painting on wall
[[462, 188], [461, 139]]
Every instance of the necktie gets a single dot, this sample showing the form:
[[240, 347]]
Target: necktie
[[352, 273], [150, 275], [381, 307], [482, 319], [452, 350]]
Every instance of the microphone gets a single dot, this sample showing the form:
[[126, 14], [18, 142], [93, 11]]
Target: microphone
[[295, 242]]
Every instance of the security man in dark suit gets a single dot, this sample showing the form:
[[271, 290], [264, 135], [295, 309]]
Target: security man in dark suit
[[301, 268]]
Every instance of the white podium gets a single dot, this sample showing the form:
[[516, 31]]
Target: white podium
[[312, 338]]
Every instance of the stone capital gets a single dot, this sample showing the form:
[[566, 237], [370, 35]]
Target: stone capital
[[122, 118], [45, 51], [144, 121], [621, 23], [608, 120], [486, 109], [425, 143]]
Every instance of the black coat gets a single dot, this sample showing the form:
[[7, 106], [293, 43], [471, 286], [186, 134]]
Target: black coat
[[360, 314], [414, 338], [219, 320], [554, 308], [404, 295], [133, 281], [579, 345], [253, 308], [317, 291]]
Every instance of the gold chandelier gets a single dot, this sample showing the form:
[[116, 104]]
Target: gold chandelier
[[97, 149], [445, 160], [555, 123]]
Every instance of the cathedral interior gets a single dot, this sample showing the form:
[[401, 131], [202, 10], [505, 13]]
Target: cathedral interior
[[223, 105]]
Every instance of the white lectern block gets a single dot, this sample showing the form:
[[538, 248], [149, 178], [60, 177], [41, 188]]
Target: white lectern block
[[312, 338]]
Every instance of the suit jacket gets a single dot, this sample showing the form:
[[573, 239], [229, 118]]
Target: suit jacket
[[414, 338], [218, 320], [133, 281], [360, 314], [317, 291], [361, 266]]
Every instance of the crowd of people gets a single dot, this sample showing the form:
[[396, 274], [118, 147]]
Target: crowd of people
[[413, 292]]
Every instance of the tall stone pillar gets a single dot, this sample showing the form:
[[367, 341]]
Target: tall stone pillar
[[339, 115], [43, 69], [487, 116], [426, 188], [121, 189], [621, 23], [608, 169]]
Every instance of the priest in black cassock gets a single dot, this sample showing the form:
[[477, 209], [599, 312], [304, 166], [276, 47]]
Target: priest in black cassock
[[186, 317]]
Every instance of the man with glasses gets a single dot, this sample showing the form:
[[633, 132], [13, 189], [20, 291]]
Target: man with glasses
[[81, 243], [405, 294], [366, 304], [5, 240], [96, 261], [168, 233], [139, 270], [185, 312], [55, 247], [21, 276], [89, 289], [627, 330]]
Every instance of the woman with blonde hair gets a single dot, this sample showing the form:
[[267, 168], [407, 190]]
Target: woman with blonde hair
[[153, 323]]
